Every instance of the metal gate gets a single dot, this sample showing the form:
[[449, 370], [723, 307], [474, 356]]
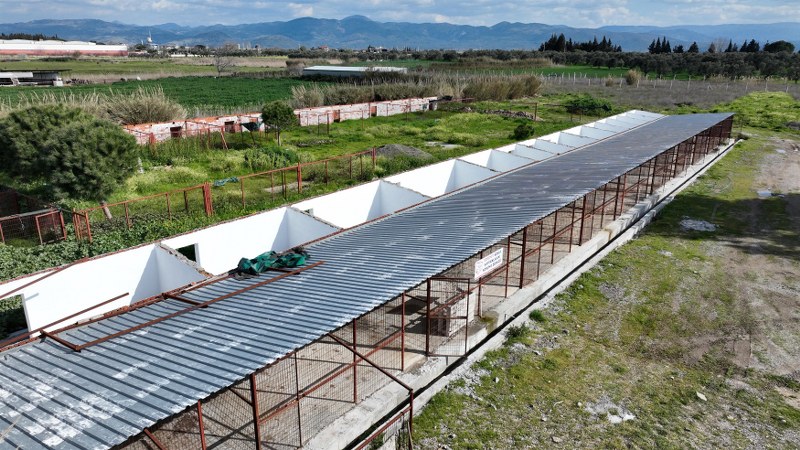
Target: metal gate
[[449, 311]]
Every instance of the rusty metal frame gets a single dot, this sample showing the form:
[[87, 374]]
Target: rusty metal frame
[[205, 304]]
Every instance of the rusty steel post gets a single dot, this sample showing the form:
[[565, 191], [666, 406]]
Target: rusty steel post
[[299, 178], [241, 188], [297, 399], [201, 426], [428, 320], [254, 402], [508, 263], [403, 332], [555, 231], [355, 363], [38, 230], [583, 220], [63, 226], [522, 262]]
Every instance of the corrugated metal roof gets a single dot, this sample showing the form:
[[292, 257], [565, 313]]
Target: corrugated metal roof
[[108, 392]]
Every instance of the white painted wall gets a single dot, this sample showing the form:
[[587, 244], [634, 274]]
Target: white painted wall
[[220, 247], [359, 204], [496, 160], [571, 140], [533, 153], [441, 178], [142, 272], [607, 124], [590, 131]]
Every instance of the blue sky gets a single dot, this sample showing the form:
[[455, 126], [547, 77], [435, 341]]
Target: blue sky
[[577, 13]]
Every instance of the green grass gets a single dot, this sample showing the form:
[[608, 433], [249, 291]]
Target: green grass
[[634, 322], [191, 92], [77, 68]]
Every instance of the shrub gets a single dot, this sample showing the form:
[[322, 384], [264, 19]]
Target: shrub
[[270, 157], [524, 131], [24, 132], [632, 77], [586, 104], [75, 154], [12, 316], [142, 106], [87, 159], [537, 316], [307, 97], [517, 333]]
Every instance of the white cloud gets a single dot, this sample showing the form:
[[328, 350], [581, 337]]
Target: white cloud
[[577, 13], [300, 10]]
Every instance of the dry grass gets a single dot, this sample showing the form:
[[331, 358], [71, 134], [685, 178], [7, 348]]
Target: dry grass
[[141, 106]]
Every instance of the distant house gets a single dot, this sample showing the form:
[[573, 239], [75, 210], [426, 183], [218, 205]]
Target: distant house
[[59, 48], [345, 71]]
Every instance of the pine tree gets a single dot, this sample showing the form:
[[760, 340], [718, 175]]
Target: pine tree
[[693, 48]]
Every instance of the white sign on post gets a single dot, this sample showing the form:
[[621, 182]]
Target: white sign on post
[[488, 264]]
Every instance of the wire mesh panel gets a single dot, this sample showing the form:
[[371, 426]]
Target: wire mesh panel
[[274, 186], [179, 431], [228, 418], [416, 301], [326, 381], [50, 227], [139, 442], [278, 407], [379, 338], [449, 314], [395, 434]]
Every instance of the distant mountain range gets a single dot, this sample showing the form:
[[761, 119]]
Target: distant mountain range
[[360, 32]]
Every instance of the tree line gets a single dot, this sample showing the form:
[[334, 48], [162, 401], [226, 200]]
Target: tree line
[[29, 37], [659, 46], [561, 44]]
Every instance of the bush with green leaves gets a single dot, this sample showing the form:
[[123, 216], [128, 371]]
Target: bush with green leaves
[[24, 132], [12, 316], [75, 155], [524, 131], [586, 104], [269, 157]]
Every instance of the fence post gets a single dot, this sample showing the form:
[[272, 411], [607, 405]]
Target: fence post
[[63, 227], [299, 178], [2, 237], [374, 154], [207, 199], [38, 230], [241, 188]]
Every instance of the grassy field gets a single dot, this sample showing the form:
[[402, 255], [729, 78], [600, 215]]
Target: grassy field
[[463, 133], [194, 93], [679, 339], [87, 66]]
